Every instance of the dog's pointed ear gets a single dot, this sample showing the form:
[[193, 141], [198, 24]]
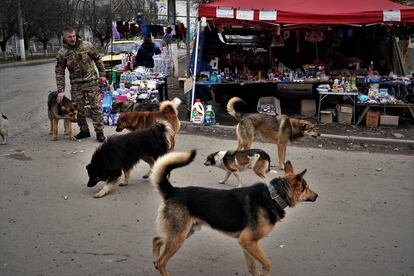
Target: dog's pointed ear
[[299, 177], [288, 168]]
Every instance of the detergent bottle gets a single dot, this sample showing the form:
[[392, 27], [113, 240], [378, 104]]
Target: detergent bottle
[[198, 112], [209, 116]]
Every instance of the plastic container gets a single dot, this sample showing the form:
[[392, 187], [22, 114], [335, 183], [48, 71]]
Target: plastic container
[[209, 116], [198, 112]]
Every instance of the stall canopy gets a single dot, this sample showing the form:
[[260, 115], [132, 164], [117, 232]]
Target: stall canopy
[[309, 12]]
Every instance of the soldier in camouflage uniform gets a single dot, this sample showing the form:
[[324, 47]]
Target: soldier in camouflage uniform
[[80, 58]]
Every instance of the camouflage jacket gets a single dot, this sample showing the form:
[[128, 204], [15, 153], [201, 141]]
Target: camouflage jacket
[[80, 61]]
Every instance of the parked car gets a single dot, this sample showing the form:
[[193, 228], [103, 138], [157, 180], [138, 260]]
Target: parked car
[[114, 51]]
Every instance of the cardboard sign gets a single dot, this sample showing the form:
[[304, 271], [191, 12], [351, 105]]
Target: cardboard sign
[[267, 15], [188, 85]]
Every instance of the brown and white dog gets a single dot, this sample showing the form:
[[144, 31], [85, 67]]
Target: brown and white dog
[[280, 130], [66, 110], [234, 162], [145, 119]]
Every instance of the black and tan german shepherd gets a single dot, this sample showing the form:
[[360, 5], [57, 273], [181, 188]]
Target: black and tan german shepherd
[[280, 130], [247, 214], [66, 110]]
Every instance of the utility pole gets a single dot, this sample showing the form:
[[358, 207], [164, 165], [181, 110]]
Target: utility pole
[[20, 20], [94, 31], [171, 12]]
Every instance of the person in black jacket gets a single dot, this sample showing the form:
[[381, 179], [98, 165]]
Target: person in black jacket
[[145, 53]]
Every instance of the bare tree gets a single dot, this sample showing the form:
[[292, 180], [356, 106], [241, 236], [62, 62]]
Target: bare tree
[[99, 20], [8, 22]]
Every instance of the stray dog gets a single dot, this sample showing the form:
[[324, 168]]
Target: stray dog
[[4, 129], [139, 120], [122, 152], [272, 129], [118, 107], [236, 161], [66, 110], [247, 213]]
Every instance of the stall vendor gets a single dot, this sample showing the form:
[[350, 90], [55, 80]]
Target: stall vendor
[[145, 53]]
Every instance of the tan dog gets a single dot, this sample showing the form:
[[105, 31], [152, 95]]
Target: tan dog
[[247, 214], [66, 110], [139, 120], [280, 130], [234, 162]]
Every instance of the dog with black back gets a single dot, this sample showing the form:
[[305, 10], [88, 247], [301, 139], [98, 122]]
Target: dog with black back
[[247, 214], [120, 153], [66, 110], [234, 162], [118, 107], [4, 128], [280, 130]]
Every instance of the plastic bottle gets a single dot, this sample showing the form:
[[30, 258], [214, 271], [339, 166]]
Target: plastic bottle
[[209, 116], [198, 112]]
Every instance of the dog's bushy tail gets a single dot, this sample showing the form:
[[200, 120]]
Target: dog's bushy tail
[[170, 106], [236, 107], [164, 165]]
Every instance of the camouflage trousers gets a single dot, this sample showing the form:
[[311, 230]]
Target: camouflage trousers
[[88, 93]]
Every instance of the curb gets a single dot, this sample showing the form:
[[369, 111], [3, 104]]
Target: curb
[[230, 131], [27, 63]]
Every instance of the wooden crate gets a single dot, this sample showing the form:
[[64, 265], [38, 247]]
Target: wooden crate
[[372, 119]]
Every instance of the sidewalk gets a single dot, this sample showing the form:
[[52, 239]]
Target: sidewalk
[[340, 141], [27, 63]]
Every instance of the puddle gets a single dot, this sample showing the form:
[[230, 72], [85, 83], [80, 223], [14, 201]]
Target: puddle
[[19, 156]]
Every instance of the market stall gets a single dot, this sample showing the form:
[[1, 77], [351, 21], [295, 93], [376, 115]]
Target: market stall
[[295, 42]]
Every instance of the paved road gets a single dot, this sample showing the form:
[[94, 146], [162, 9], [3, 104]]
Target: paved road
[[50, 224]]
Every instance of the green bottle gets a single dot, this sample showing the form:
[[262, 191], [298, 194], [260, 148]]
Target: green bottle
[[209, 116]]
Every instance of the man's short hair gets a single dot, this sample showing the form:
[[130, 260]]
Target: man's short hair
[[68, 29]]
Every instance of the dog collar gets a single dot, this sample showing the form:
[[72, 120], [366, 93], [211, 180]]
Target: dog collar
[[276, 197]]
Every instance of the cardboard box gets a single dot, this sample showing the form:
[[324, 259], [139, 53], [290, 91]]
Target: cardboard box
[[387, 120], [307, 107], [272, 103], [372, 119], [345, 108], [327, 116], [344, 113]]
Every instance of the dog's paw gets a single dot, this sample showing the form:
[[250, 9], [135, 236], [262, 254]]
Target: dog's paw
[[100, 194], [54, 138], [155, 265], [123, 184], [222, 182], [72, 138]]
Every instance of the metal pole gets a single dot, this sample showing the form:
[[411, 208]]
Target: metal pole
[[188, 37], [20, 19], [195, 70]]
